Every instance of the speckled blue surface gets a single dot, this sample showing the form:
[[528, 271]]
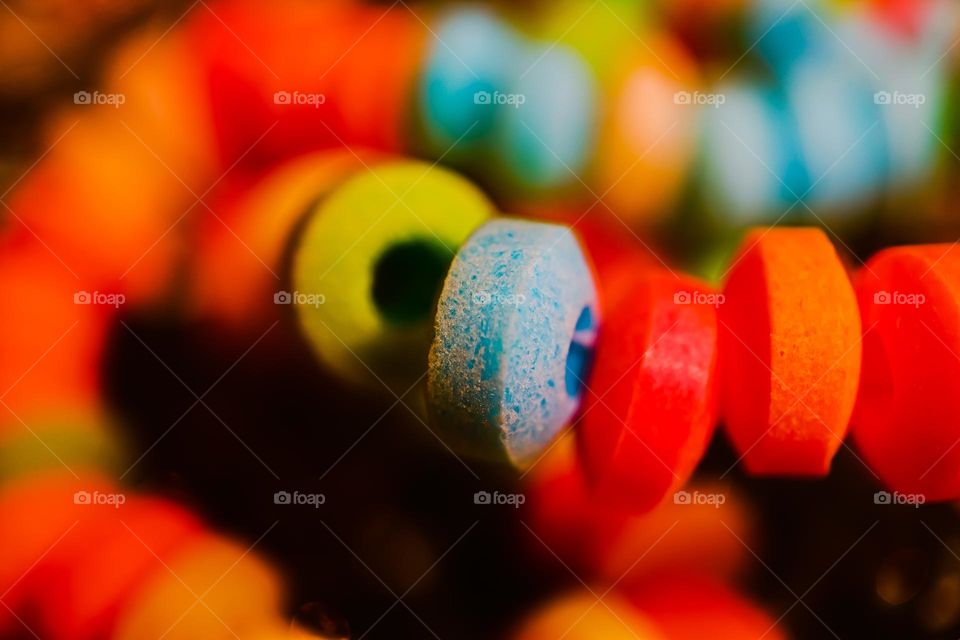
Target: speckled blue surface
[[515, 328]]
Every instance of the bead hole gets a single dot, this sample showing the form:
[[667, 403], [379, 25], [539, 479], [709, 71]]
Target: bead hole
[[407, 279], [580, 354]]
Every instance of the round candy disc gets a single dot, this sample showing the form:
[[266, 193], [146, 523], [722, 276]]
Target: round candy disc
[[907, 419], [370, 262], [647, 135], [539, 146], [515, 329], [789, 351], [753, 166], [688, 606], [652, 402], [240, 595], [579, 616], [84, 582], [466, 68]]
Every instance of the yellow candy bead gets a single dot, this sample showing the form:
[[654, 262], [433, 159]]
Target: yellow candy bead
[[371, 262]]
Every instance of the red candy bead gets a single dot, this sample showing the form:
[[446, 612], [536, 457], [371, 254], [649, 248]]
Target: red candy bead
[[85, 581], [290, 78], [652, 399], [907, 418], [691, 607]]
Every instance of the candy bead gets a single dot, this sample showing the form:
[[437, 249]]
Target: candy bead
[[70, 200], [909, 94], [691, 607], [78, 443], [606, 542], [240, 594], [579, 616], [753, 167], [600, 37], [84, 582], [786, 32], [652, 404], [468, 63], [538, 145], [46, 502], [271, 100], [789, 351], [45, 309], [907, 418], [242, 251], [646, 135], [844, 149], [373, 256], [280, 631], [515, 328]]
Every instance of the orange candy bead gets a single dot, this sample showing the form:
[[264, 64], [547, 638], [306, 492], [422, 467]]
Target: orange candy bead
[[580, 616], [790, 350], [239, 262], [51, 346]]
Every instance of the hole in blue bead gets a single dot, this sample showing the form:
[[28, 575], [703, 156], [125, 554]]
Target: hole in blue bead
[[407, 279], [579, 355]]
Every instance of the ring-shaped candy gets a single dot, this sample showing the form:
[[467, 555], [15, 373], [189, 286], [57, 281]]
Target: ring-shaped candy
[[515, 328], [907, 419], [242, 594], [371, 261], [654, 402], [469, 65], [789, 348], [57, 441], [537, 145]]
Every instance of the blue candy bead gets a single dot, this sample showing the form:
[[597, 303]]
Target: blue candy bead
[[543, 140], [908, 86], [843, 142], [751, 160], [515, 329], [470, 61], [785, 32]]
